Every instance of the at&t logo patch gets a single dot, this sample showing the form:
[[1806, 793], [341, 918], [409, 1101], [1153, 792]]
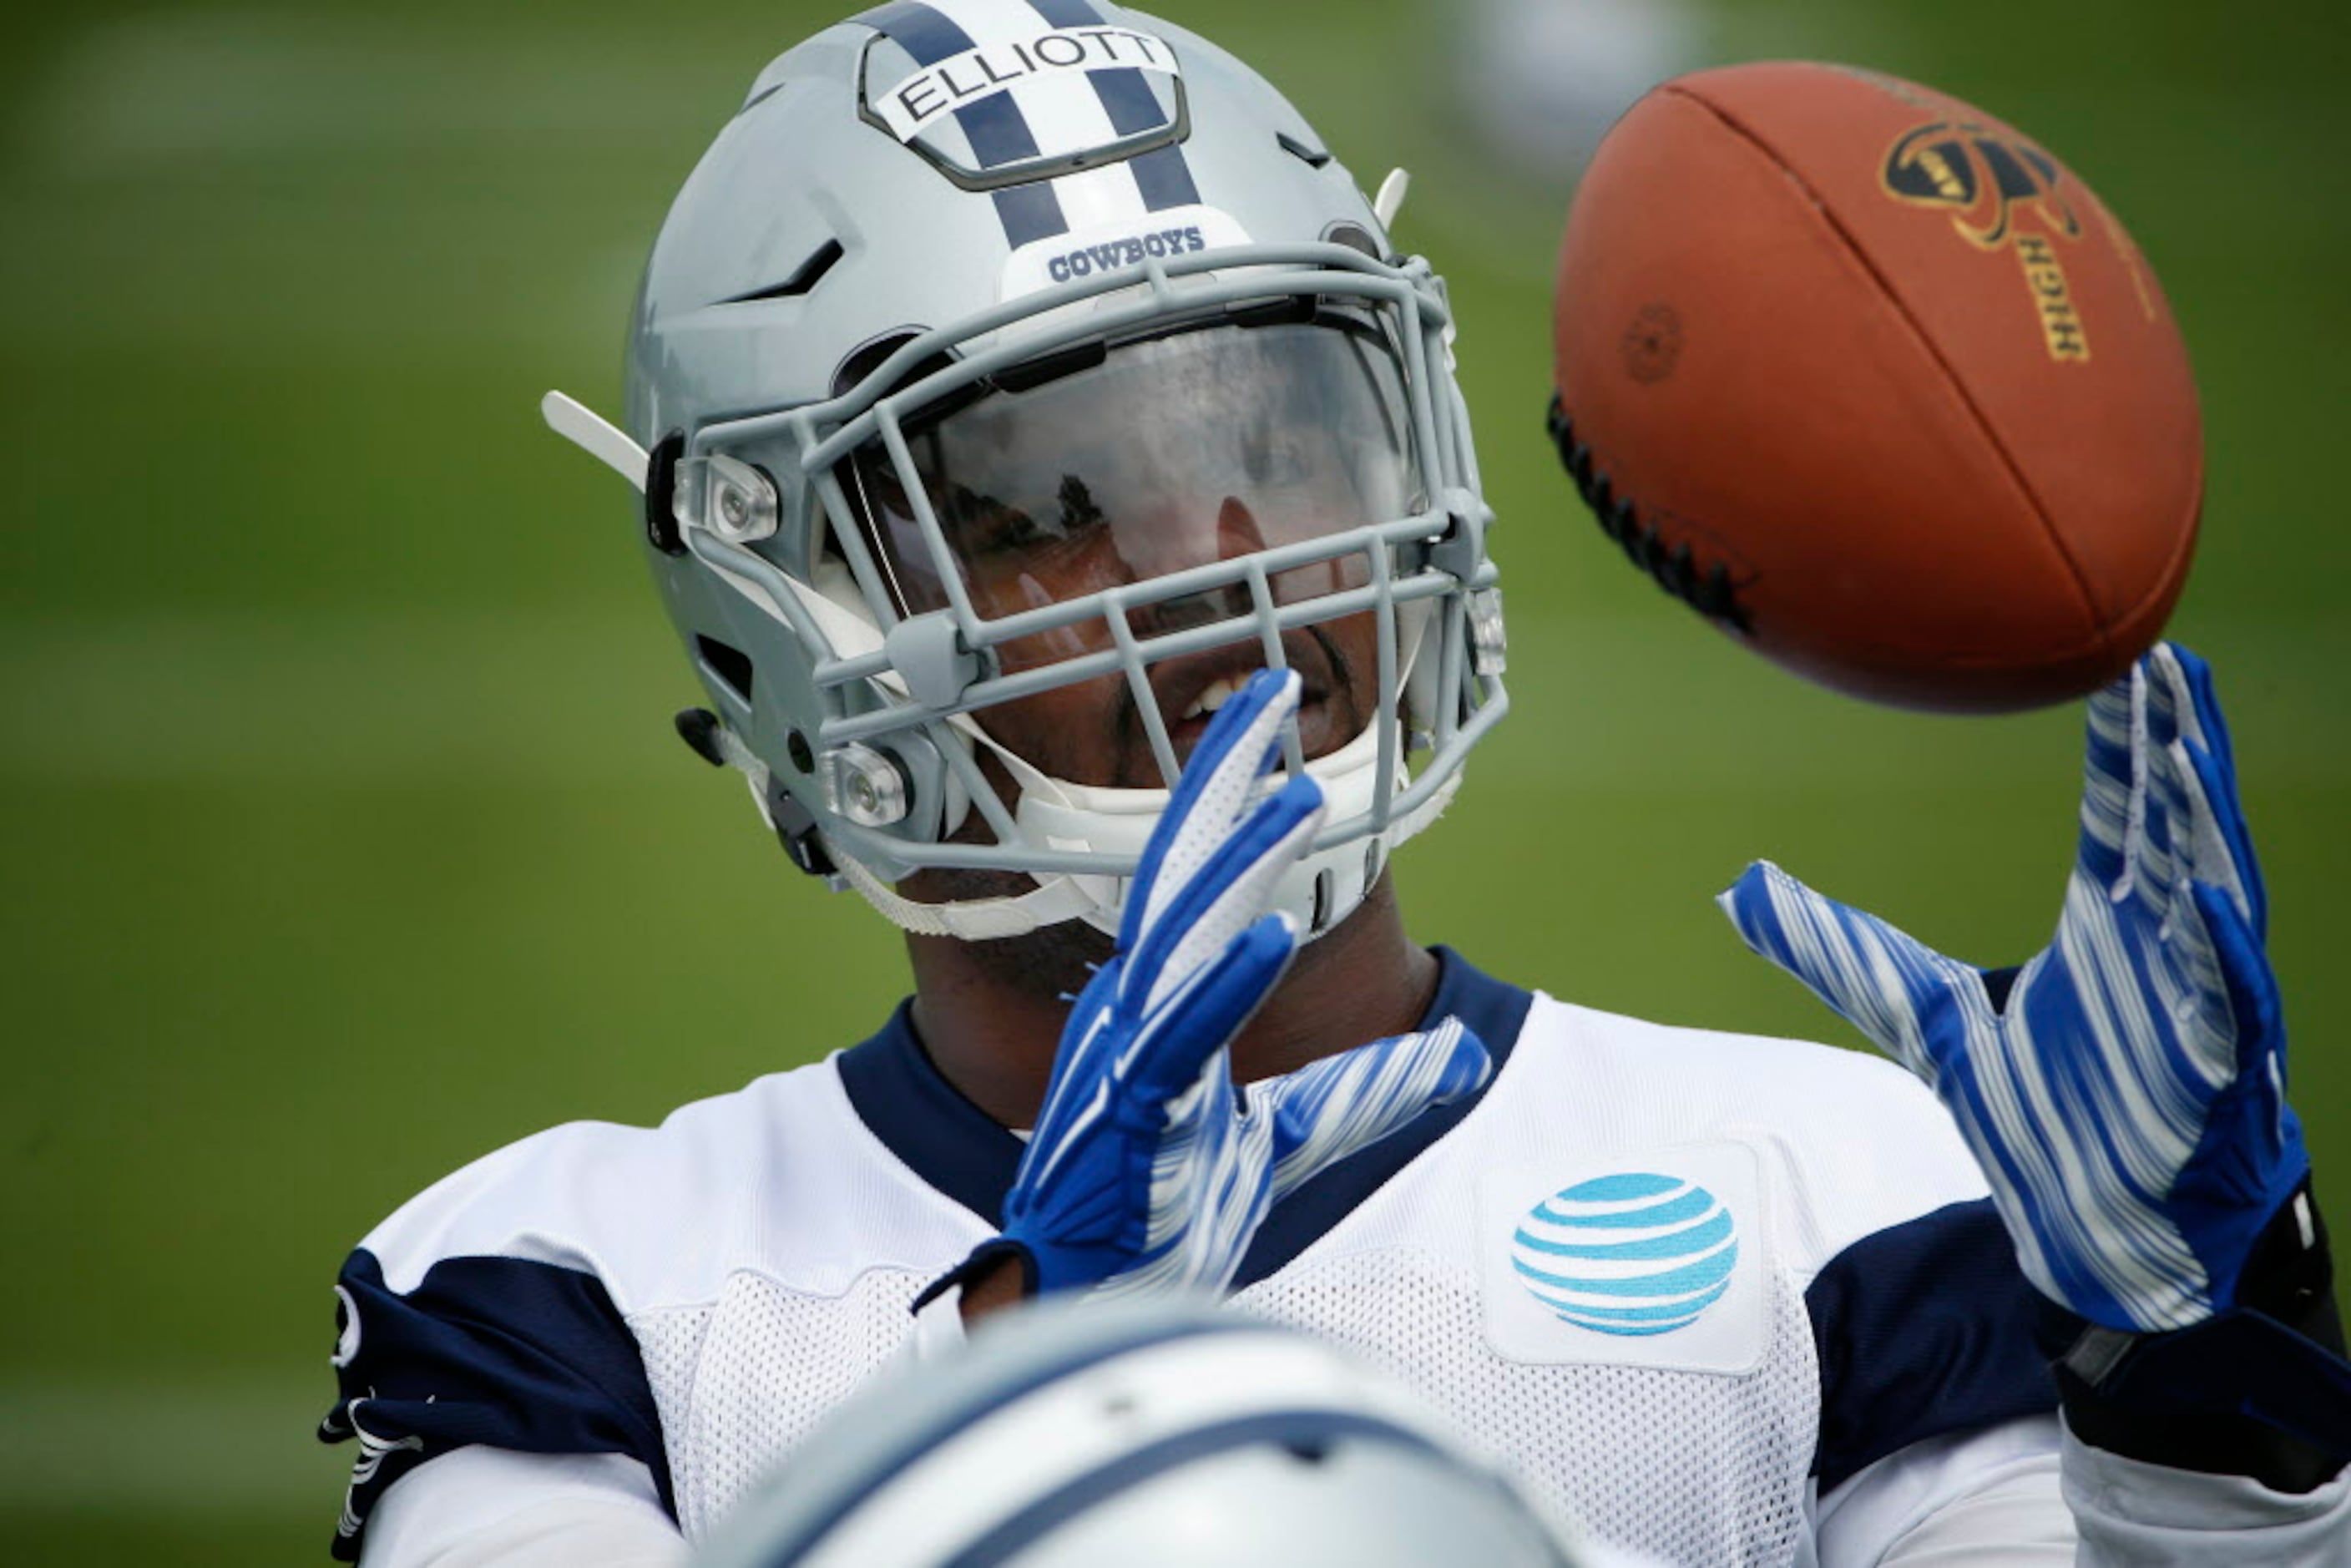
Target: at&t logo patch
[[1648, 1258], [1633, 1253]]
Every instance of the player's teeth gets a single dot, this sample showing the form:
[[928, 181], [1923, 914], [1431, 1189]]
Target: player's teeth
[[1218, 694]]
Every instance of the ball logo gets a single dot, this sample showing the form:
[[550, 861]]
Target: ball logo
[[1634, 1253], [1984, 179], [1980, 177]]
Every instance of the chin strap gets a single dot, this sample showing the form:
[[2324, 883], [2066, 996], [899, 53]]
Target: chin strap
[[1051, 902], [1055, 898]]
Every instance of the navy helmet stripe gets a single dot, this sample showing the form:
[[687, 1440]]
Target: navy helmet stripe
[[1128, 101], [929, 36], [1164, 178], [1068, 12], [1291, 1432], [1030, 213], [999, 132], [1162, 174]]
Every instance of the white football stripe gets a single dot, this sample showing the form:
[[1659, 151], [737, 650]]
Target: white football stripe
[[1064, 112], [1101, 198]]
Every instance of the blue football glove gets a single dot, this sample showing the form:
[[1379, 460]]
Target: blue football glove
[[2127, 1098], [1146, 1172]]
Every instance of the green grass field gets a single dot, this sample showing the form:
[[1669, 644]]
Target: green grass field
[[345, 837]]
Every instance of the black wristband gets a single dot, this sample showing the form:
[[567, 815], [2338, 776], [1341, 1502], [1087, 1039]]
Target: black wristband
[[984, 1257], [2109, 1382]]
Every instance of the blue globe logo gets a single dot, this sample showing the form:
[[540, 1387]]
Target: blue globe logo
[[1629, 1254]]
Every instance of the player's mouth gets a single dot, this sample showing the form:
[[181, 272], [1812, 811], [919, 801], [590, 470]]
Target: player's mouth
[[1191, 691]]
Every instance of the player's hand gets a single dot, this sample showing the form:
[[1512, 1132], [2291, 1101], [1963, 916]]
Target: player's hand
[[1147, 1171], [2127, 1097]]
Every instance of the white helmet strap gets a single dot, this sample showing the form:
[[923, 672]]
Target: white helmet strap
[[1051, 902]]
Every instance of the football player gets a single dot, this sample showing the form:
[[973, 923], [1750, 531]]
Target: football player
[[1012, 383]]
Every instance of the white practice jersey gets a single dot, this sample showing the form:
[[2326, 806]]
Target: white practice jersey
[[1687, 1282]]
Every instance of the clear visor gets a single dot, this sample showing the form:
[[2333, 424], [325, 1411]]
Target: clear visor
[[1100, 469]]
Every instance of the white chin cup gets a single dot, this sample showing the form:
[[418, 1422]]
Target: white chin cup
[[1320, 890]]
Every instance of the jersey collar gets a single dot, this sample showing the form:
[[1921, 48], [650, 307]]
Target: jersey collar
[[961, 1151]]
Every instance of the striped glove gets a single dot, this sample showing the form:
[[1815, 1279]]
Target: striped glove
[[2126, 1096], [1146, 1172]]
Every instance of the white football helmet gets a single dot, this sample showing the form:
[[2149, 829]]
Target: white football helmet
[[1150, 1435], [1001, 345]]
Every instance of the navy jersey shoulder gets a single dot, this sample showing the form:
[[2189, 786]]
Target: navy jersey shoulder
[[1922, 1321], [1923, 1327], [509, 1353], [493, 1308]]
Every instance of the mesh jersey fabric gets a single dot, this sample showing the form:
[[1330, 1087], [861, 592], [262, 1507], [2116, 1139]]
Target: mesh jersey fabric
[[759, 1252], [1682, 1467]]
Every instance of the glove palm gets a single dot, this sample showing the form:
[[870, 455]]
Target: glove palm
[[2126, 1096]]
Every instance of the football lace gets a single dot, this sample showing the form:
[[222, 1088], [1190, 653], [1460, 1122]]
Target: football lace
[[1707, 590]]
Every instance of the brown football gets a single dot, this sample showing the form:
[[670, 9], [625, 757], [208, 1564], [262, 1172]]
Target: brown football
[[1879, 386]]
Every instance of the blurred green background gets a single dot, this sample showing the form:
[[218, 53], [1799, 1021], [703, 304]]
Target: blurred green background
[[345, 835]]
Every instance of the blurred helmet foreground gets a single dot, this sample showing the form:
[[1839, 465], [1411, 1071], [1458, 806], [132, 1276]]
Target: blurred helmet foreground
[[1146, 1435]]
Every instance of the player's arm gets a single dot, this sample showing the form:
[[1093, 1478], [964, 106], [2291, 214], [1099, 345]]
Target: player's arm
[[488, 1379], [494, 1508], [2125, 1095], [498, 1412], [2026, 1494]]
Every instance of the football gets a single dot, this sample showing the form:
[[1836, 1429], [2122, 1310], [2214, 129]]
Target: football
[[1877, 385]]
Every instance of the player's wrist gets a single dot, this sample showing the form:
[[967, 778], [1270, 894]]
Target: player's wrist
[[999, 1272], [2289, 1275], [2254, 1391], [1005, 1280]]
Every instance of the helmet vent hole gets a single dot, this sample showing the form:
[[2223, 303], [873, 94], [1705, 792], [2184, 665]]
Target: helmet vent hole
[[872, 355], [804, 277], [1314, 157], [730, 667], [1029, 375]]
